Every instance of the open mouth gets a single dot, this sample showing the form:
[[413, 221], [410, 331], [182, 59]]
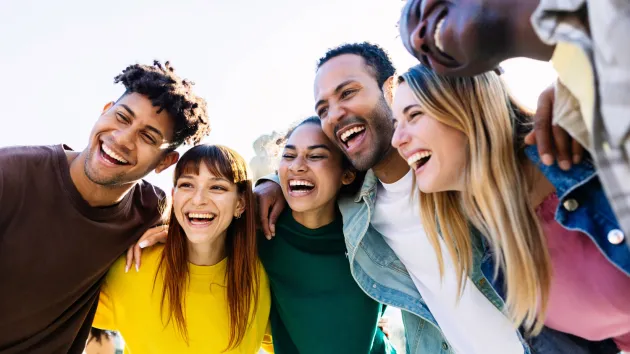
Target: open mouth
[[110, 156], [300, 187], [352, 136], [419, 159], [200, 219], [437, 37]]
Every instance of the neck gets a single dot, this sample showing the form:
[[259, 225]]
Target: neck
[[526, 42], [96, 195], [314, 219], [207, 254], [391, 168], [540, 185]]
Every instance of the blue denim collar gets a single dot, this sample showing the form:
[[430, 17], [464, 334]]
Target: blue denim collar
[[564, 181]]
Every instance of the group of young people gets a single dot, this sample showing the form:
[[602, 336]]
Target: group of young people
[[415, 191]]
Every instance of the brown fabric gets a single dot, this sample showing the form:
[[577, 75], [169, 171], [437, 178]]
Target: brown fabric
[[55, 249]]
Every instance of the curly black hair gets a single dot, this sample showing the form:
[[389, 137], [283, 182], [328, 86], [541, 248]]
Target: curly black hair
[[169, 92], [375, 57]]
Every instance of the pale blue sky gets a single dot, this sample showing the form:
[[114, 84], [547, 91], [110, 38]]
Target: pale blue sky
[[254, 61]]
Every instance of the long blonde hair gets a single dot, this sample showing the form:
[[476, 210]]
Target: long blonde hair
[[496, 201]]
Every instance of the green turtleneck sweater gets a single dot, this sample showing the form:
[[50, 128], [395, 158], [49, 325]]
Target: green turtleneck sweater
[[317, 308]]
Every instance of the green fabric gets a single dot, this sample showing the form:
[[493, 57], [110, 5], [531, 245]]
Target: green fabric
[[317, 308]]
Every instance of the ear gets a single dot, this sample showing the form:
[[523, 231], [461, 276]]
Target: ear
[[348, 177], [107, 106], [169, 160], [388, 90], [240, 206]]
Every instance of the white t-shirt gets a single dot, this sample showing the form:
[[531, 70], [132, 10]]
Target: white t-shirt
[[472, 326]]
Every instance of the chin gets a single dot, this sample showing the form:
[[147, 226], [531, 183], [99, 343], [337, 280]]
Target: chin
[[299, 206]]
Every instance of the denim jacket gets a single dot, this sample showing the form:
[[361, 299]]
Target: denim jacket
[[584, 207]]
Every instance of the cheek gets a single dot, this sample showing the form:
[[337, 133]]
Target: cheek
[[178, 203]]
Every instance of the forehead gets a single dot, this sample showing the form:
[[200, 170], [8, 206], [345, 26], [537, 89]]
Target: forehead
[[404, 97], [341, 69], [146, 113], [201, 170], [308, 135]]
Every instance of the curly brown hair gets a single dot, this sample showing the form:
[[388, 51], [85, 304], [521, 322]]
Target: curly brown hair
[[169, 92]]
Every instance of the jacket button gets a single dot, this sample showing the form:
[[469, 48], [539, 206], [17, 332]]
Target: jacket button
[[616, 236], [444, 346], [482, 282], [374, 286], [570, 204]]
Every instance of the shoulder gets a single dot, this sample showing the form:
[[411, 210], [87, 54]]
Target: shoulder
[[151, 201], [150, 261], [23, 155]]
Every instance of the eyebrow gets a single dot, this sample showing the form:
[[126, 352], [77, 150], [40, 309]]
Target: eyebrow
[[337, 89], [211, 178], [312, 147], [151, 128], [131, 112], [410, 107]]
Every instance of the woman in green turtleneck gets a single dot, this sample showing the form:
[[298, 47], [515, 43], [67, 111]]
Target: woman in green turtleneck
[[317, 308]]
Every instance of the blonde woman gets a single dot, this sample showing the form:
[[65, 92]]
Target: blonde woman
[[553, 234]]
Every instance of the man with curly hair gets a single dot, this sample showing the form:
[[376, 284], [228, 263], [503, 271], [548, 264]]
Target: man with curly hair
[[66, 216]]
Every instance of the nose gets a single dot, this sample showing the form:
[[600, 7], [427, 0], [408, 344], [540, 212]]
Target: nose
[[400, 138], [335, 114], [298, 165], [199, 198], [124, 137], [418, 39]]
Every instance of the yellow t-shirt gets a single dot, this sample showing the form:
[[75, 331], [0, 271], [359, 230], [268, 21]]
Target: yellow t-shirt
[[130, 304]]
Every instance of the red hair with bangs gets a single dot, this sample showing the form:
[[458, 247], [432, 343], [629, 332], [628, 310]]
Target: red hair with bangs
[[242, 276]]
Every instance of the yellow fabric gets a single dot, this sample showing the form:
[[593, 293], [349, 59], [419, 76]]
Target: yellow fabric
[[130, 304], [575, 72]]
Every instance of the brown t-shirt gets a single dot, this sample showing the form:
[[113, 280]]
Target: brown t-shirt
[[55, 249]]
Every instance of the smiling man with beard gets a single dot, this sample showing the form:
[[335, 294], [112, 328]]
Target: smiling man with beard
[[67, 216]]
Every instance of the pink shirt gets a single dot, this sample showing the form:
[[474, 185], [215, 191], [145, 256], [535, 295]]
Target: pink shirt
[[589, 297]]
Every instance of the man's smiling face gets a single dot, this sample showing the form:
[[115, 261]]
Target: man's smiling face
[[353, 111], [459, 37]]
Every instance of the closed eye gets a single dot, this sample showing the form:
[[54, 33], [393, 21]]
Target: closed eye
[[122, 118], [348, 93], [149, 139], [322, 112], [218, 188]]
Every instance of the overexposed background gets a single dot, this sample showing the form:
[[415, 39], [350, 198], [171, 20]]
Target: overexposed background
[[254, 61]]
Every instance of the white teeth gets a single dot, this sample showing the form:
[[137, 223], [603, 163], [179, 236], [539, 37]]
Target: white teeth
[[349, 132], [201, 216], [295, 182], [112, 154], [437, 38], [417, 157]]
